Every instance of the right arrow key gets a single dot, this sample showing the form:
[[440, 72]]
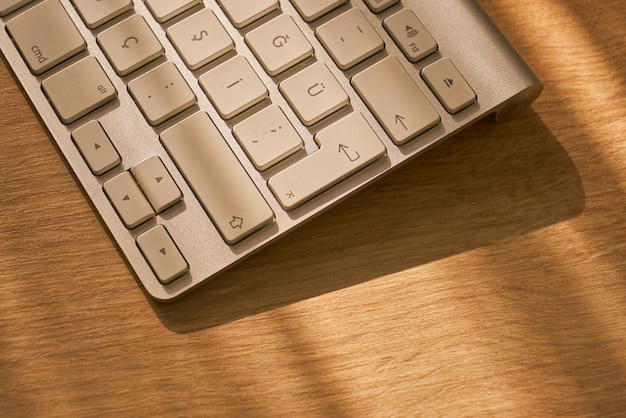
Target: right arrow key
[[443, 78]]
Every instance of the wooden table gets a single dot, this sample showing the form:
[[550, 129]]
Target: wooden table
[[487, 277]]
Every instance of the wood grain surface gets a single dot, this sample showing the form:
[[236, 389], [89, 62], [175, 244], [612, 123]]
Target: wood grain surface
[[485, 278]]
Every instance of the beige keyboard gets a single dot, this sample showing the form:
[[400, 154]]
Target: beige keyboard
[[204, 130]]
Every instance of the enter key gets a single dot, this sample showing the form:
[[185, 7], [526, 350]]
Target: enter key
[[345, 147]]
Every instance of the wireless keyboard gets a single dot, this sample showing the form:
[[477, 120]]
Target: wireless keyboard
[[204, 130]]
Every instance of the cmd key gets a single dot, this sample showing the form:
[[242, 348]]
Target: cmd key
[[45, 36]]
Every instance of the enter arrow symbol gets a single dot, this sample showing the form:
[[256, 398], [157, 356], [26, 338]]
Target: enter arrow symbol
[[351, 157], [400, 120]]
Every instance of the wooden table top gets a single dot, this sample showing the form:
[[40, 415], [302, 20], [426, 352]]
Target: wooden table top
[[487, 277]]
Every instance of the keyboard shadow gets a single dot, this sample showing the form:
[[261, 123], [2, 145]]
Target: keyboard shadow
[[483, 186]]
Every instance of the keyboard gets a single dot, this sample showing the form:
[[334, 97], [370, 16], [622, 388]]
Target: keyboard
[[202, 131]]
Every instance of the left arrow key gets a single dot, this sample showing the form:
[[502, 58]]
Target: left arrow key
[[128, 200]]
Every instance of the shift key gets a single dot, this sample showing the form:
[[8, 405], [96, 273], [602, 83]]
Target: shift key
[[217, 178]]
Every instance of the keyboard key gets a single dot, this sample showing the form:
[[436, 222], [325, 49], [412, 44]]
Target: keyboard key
[[128, 201], [279, 44], [449, 85], [378, 6], [96, 147], [162, 254], [244, 12], [267, 137], [45, 36], [233, 87], [216, 176], [350, 39], [161, 93], [78, 89], [8, 6], [129, 45], [200, 39], [410, 35], [345, 147], [156, 183], [96, 13], [312, 9], [396, 101], [164, 10], [314, 93]]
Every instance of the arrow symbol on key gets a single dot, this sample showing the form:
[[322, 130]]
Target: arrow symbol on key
[[236, 222], [400, 120], [162, 251], [353, 157]]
